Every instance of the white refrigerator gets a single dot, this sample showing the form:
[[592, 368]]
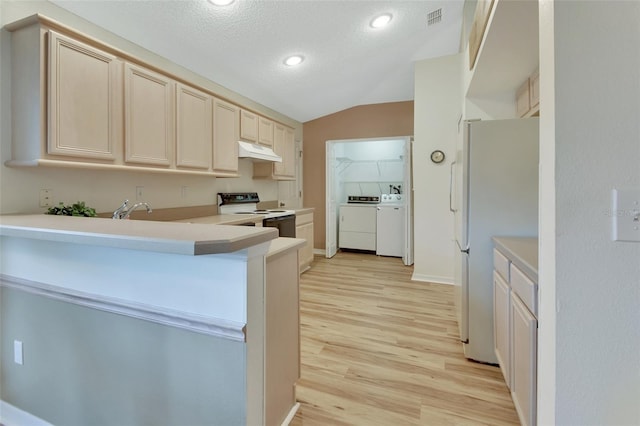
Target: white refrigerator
[[494, 192]]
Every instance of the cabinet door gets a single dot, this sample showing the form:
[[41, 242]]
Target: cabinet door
[[523, 361], [306, 253], [194, 128], [502, 325], [84, 108], [289, 154], [226, 119], [279, 148], [149, 117], [282, 336], [248, 126], [265, 131], [534, 89]]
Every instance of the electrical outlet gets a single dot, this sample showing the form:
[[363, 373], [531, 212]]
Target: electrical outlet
[[139, 193], [46, 197], [17, 352], [183, 192]]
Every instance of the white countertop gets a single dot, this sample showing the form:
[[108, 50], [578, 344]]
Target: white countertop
[[521, 251], [166, 237]]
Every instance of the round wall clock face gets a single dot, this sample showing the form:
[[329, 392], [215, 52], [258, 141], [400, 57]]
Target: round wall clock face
[[437, 156]]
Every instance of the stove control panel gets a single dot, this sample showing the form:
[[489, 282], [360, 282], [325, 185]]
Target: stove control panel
[[391, 198], [363, 199]]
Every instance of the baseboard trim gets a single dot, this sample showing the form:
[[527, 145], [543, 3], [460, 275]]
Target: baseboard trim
[[13, 416], [291, 414], [432, 279]]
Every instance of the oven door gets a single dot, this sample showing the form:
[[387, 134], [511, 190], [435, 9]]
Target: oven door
[[286, 225]]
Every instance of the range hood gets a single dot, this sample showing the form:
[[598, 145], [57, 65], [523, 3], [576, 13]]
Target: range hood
[[257, 152]]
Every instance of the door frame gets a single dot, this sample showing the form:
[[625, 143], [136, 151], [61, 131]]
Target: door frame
[[331, 205]]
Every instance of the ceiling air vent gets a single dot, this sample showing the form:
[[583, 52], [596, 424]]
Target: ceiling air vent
[[434, 17]]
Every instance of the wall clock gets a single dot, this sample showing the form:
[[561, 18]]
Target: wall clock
[[437, 156]]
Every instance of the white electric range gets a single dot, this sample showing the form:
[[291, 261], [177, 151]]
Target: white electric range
[[247, 203]]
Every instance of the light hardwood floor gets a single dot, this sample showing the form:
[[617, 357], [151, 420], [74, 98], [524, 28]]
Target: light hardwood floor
[[380, 349]]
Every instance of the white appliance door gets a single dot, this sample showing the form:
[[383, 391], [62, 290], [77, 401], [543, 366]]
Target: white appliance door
[[390, 227], [331, 233], [500, 197], [462, 290], [461, 190], [407, 255]]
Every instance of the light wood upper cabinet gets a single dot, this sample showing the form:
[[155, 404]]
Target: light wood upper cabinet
[[226, 123], [194, 127], [480, 18], [149, 116], [284, 146], [534, 90], [289, 154], [78, 102], [279, 148], [84, 109], [248, 126], [265, 132], [528, 97]]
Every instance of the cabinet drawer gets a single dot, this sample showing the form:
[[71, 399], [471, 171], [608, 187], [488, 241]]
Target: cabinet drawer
[[304, 218], [525, 289], [501, 264]]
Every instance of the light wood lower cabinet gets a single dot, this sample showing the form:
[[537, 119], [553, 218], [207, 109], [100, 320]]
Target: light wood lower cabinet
[[523, 359], [282, 336], [516, 334], [149, 117], [304, 230], [502, 325], [84, 109]]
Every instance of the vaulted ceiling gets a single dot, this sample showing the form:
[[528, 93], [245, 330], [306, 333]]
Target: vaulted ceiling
[[243, 46]]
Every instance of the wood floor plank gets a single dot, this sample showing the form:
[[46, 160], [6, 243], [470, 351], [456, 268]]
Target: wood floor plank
[[380, 349]]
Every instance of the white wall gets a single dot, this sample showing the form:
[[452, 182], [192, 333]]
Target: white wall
[[437, 109], [589, 331], [105, 190]]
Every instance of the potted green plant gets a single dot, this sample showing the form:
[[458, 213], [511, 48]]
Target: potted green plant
[[77, 209]]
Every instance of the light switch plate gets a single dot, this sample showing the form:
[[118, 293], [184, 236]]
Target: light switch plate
[[626, 215], [17, 352]]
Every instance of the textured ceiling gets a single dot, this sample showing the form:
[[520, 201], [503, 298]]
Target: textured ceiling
[[241, 47]]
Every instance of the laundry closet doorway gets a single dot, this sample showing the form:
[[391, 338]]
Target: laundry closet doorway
[[369, 167]]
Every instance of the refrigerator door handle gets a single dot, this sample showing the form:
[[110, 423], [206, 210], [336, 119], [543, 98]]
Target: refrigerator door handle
[[451, 209]]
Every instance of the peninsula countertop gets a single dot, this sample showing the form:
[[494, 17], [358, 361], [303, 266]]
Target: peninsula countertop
[[165, 237]]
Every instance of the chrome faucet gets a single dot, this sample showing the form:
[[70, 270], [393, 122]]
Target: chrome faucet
[[124, 210]]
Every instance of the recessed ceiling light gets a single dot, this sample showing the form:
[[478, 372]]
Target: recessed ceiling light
[[221, 2], [294, 60], [381, 21]]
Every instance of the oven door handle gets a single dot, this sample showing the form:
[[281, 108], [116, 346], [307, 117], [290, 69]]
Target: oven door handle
[[280, 218]]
